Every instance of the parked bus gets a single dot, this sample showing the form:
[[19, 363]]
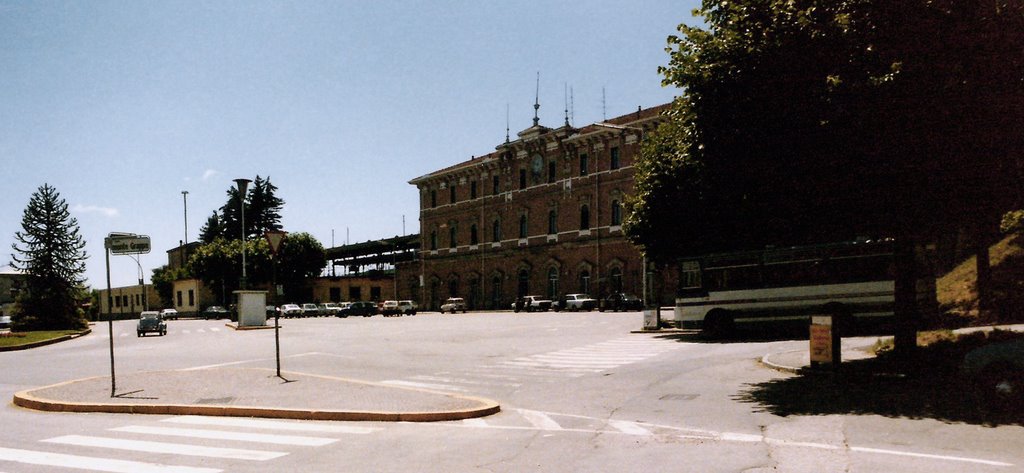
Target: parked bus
[[853, 280]]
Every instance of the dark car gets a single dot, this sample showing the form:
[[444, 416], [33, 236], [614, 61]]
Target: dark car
[[151, 321], [622, 301], [216, 312], [363, 308]]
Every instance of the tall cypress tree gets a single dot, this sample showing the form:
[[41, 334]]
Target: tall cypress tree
[[50, 250]]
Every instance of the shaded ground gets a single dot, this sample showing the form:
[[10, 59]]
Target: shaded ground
[[936, 388]]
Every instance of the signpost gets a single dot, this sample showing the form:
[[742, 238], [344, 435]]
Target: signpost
[[119, 244], [274, 239]]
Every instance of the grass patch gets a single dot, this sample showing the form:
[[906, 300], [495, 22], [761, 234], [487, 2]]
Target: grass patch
[[14, 339]]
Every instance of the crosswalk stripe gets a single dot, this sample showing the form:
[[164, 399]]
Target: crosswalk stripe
[[413, 384], [214, 329], [540, 420], [227, 435], [161, 447], [270, 424], [92, 463], [629, 427]]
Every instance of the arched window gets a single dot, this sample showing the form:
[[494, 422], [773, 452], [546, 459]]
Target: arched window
[[472, 234], [524, 283], [552, 283], [585, 282], [433, 198], [552, 223], [551, 172], [522, 226], [451, 192], [585, 217], [496, 231], [616, 213], [496, 292], [453, 287], [433, 240], [452, 242], [615, 277]]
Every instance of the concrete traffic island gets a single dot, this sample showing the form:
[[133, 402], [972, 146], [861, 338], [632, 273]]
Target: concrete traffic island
[[254, 392]]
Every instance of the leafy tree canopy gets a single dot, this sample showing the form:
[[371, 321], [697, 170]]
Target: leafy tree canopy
[[50, 250], [811, 120]]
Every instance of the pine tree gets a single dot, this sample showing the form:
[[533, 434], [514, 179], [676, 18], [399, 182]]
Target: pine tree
[[264, 208], [52, 254], [212, 229]]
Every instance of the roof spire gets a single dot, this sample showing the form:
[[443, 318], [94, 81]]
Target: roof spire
[[536, 102], [506, 123]]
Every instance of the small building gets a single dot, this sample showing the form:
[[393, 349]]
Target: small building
[[12, 281], [128, 301]]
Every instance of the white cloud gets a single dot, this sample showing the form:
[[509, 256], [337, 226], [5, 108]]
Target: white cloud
[[209, 173], [109, 212]]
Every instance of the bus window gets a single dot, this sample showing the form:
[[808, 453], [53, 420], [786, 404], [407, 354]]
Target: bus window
[[690, 275]]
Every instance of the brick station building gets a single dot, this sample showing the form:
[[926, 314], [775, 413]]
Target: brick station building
[[540, 215]]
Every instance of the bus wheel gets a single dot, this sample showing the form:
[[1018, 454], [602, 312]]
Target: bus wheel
[[718, 324]]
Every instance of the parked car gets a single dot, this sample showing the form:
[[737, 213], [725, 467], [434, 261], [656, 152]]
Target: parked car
[[390, 308], [5, 322], [454, 304], [310, 310], [330, 308], [151, 321], [168, 314], [407, 307], [363, 308], [216, 312], [621, 301], [531, 304], [273, 311], [575, 302], [291, 310]]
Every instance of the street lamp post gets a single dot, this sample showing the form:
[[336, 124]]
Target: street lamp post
[[243, 185], [184, 251]]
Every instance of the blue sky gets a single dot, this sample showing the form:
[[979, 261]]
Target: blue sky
[[123, 105]]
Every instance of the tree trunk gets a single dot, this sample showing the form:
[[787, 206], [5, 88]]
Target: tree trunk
[[984, 269], [907, 314]]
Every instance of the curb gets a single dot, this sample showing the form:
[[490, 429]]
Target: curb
[[43, 343], [257, 327], [487, 407], [767, 362]]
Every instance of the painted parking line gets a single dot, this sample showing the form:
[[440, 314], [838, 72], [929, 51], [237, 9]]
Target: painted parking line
[[227, 435], [61, 460], [163, 447]]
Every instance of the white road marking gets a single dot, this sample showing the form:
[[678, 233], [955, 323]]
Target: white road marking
[[162, 447], [270, 424], [934, 457], [92, 463], [226, 435], [631, 428], [214, 329], [540, 420], [463, 381], [413, 384]]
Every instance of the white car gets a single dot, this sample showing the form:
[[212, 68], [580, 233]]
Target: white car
[[407, 307], [390, 308], [453, 305], [575, 302], [291, 310], [168, 314]]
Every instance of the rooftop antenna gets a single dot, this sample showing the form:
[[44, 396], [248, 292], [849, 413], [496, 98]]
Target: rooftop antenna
[[506, 122], [536, 102], [566, 94], [572, 107], [604, 107]]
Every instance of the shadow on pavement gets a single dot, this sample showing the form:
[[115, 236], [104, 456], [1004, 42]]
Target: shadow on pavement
[[934, 389]]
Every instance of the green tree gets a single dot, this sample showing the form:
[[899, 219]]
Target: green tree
[[301, 258], [816, 120], [50, 250], [163, 281], [262, 213], [212, 229], [264, 208]]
